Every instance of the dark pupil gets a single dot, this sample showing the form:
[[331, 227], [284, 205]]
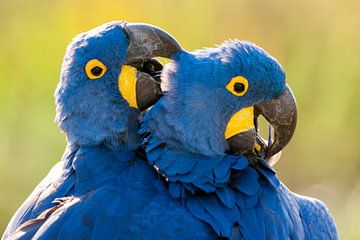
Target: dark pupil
[[239, 87], [96, 71]]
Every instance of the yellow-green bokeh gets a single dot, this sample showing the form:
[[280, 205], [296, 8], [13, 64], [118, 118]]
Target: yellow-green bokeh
[[317, 42]]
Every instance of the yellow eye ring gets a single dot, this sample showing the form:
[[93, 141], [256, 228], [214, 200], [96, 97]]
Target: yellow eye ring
[[95, 69], [238, 86]]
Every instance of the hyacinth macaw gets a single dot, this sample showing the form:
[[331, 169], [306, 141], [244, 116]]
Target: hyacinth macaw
[[211, 97], [107, 79]]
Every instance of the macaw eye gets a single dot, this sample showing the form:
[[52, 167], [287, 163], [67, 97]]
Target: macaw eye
[[95, 69], [238, 86]]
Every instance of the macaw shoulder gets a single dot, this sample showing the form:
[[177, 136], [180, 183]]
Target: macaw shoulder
[[317, 220], [29, 208], [131, 208], [73, 175]]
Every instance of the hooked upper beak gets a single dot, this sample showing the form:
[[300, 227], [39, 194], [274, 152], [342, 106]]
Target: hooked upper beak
[[139, 80], [281, 113]]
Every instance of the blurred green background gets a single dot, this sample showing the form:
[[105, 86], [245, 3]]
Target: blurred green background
[[317, 42]]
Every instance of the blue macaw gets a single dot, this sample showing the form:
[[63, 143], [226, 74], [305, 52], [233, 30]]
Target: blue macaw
[[104, 188], [211, 97]]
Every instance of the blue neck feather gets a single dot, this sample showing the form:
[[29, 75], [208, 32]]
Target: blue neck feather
[[94, 165], [236, 199]]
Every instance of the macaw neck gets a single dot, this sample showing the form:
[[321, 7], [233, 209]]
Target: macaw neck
[[194, 172], [175, 151], [182, 128], [225, 191], [95, 165]]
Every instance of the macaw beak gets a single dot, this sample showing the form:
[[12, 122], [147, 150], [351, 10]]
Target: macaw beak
[[280, 112], [147, 41], [140, 86], [139, 80]]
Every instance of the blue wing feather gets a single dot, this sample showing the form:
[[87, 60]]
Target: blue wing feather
[[318, 222], [58, 183], [133, 205]]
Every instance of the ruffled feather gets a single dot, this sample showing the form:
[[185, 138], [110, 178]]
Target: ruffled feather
[[226, 192]]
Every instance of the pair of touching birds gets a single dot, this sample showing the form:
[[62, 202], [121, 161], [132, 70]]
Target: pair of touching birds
[[168, 152]]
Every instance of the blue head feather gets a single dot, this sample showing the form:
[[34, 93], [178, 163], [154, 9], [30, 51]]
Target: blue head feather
[[93, 111], [196, 100]]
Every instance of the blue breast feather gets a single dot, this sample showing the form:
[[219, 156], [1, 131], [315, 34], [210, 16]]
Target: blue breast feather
[[237, 200], [116, 202]]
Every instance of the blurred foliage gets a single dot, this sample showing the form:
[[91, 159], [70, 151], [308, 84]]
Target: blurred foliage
[[316, 41]]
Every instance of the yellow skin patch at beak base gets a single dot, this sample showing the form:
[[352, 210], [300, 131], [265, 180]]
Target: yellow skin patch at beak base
[[241, 121], [127, 85]]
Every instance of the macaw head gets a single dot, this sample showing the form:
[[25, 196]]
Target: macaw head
[[212, 99], [107, 78]]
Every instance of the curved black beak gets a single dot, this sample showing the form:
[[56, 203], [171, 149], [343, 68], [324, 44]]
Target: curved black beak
[[147, 41], [139, 82], [281, 113]]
